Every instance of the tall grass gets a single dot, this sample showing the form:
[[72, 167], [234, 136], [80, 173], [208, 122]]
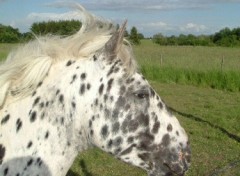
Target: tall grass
[[228, 80], [213, 67]]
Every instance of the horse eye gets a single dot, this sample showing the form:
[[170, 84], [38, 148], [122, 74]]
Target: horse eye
[[141, 95]]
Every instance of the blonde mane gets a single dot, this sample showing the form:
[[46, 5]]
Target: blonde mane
[[29, 64]]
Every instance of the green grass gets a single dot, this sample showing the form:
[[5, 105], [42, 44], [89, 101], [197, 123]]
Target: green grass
[[184, 79], [214, 67], [216, 79], [188, 57]]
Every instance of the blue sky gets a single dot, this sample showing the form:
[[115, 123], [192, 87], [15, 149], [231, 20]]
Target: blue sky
[[170, 17]]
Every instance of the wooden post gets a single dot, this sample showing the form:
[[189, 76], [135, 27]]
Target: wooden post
[[222, 63], [161, 59]]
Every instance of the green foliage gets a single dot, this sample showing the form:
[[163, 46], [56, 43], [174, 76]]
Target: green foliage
[[134, 37], [160, 39], [182, 40], [140, 36], [56, 27], [9, 34], [225, 37]]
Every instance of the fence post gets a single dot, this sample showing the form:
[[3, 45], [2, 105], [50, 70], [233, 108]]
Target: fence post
[[161, 59], [222, 63]]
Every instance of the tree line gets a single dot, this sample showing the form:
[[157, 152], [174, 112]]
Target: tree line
[[225, 37], [9, 34]]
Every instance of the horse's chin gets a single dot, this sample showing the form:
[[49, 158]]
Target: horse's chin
[[165, 174], [166, 171]]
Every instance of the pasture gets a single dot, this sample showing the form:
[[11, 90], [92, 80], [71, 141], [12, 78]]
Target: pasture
[[184, 78]]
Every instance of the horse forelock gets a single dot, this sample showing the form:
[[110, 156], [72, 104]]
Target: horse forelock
[[29, 64]]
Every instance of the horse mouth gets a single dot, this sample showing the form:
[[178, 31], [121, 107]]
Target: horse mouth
[[175, 168]]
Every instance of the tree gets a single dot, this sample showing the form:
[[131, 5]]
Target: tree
[[126, 34], [9, 34], [134, 36], [56, 27], [140, 36], [160, 39]]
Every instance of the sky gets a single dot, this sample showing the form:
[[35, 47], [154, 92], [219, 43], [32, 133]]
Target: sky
[[169, 17]]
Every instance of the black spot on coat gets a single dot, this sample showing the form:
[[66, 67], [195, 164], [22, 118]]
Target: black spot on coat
[[156, 127], [94, 58], [88, 86], [69, 63], [29, 144], [36, 101], [115, 127], [82, 89], [46, 135], [169, 128], [109, 85], [74, 77], [160, 105], [83, 76], [57, 92], [61, 99], [5, 119], [104, 131], [5, 171], [33, 116], [101, 89], [18, 124], [166, 140], [29, 163], [73, 105], [2, 153], [39, 84]]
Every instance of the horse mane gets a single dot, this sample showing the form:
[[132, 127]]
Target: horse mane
[[28, 65]]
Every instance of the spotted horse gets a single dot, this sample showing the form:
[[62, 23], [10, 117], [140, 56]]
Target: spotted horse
[[61, 95]]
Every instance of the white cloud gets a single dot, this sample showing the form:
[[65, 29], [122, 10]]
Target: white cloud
[[54, 16], [193, 28], [158, 27], [174, 29], [152, 4], [157, 24]]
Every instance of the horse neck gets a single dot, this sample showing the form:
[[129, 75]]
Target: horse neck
[[74, 91], [68, 93]]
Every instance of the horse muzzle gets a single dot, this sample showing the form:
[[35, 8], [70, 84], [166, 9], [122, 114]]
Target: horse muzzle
[[173, 164]]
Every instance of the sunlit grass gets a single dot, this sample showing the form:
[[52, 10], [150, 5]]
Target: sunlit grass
[[214, 67]]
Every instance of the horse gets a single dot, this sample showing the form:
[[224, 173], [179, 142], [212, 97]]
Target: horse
[[60, 96]]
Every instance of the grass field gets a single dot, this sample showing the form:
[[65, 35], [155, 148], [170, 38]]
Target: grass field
[[215, 67], [211, 117]]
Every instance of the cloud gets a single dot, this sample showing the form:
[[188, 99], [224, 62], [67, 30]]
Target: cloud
[[152, 4], [174, 29], [157, 27], [54, 16], [157, 24], [193, 28]]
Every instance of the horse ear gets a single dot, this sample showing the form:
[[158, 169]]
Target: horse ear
[[114, 44]]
